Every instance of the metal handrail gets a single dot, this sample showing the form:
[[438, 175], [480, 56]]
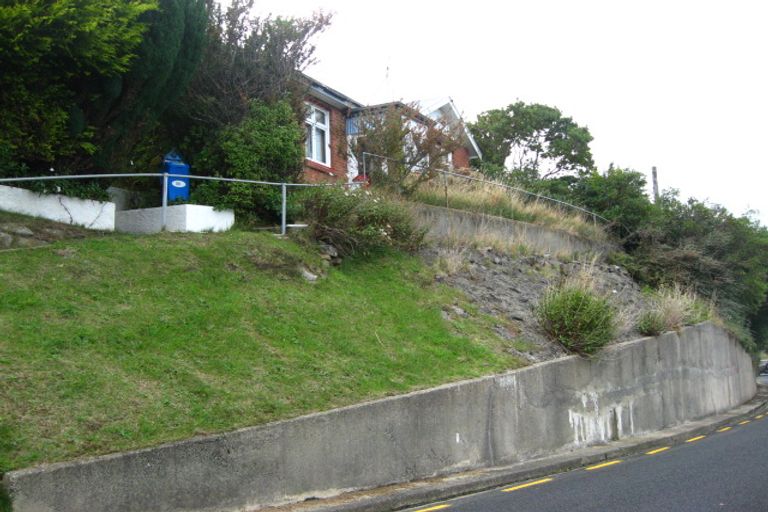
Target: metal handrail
[[594, 215], [166, 175]]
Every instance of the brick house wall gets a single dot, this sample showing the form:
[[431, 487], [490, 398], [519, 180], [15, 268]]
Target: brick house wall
[[460, 158], [315, 172]]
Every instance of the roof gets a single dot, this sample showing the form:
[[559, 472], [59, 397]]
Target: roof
[[329, 95], [419, 116], [447, 111], [451, 114]]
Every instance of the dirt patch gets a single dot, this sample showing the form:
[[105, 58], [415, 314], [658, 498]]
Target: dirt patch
[[509, 288], [21, 232]]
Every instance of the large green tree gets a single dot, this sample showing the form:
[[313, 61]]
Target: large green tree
[[248, 59], [48, 50], [533, 140], [127, 105]]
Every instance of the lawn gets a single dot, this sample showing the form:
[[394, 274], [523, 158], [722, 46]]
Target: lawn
[[121, 342]]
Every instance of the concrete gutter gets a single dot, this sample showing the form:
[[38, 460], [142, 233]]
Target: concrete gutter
[[422, 492]]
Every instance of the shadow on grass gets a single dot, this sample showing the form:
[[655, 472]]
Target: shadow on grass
[[5, 500]]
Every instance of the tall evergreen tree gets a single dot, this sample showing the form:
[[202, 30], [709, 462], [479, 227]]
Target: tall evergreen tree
[[166, 61]]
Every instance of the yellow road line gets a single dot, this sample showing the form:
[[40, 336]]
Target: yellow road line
[[603, 465], [529, 484], [743, 422], [724, 429], [657, 450], [436, 507], [695, 439]]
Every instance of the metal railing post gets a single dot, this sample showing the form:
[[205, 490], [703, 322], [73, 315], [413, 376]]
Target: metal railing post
[[283, 213], [164, 212]]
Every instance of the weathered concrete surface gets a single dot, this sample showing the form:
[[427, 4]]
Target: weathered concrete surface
[[449, 224], [70, 210], [553, 407], [181, 218]]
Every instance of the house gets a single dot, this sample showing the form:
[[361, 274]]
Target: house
[[330, 121]]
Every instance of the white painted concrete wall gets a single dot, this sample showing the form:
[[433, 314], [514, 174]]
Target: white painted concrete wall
[[70, 210], [182, 218]]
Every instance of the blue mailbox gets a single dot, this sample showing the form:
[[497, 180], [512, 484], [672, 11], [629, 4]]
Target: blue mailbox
[[178, 188]]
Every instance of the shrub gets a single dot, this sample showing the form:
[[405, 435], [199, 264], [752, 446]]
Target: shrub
[[651, 323], [672, 307], [357, 222], [266, 146], [577, 317]]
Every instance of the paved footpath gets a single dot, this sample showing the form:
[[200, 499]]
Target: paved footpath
[[726, 470]]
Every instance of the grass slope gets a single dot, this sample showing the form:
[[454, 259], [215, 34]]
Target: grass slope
[[122, 342]]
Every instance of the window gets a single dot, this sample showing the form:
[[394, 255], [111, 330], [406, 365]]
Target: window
[[318, 145]]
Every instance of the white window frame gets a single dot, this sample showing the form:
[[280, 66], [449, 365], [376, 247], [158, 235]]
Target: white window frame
[[310, 122]]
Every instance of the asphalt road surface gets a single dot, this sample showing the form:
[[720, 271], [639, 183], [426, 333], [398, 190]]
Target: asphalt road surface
[[723, 471]]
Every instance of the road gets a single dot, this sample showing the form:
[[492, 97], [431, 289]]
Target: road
[[724, 471]]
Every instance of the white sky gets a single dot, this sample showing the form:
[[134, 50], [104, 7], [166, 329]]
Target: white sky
[[682, 85]]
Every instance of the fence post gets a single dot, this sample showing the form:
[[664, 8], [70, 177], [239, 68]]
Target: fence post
[[164, 213], [284, 208], [445, 187]]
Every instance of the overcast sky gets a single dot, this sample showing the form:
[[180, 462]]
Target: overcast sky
[[676, 84]]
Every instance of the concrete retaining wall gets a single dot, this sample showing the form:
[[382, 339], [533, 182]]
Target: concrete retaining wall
[[182, 218], [447, 223], [632, 388], [70, 210]]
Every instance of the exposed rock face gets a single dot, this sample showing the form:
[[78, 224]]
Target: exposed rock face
[[509, 288]]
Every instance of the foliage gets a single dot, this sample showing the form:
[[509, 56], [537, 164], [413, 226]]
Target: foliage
[[618, 195], [5, 500], [128, 105], [265, 146], [670, 309], [724, 257], [53, 55], [246, 59], [209, 333], [574, 315], [415, 148], [538, 139], [358, 222], [651, 323]]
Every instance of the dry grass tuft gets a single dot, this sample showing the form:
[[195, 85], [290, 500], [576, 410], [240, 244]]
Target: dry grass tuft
[[494, 200], [671, 308], [451, 260]]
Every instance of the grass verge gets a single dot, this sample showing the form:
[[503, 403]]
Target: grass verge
[[122, 342]]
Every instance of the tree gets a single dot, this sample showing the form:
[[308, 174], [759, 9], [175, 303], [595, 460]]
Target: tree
[[537, 141], [165, 63], [618, 195], [248, 59], [415, 147], [51, 53]]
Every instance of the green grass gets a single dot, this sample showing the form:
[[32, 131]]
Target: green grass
[[120, 342]]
